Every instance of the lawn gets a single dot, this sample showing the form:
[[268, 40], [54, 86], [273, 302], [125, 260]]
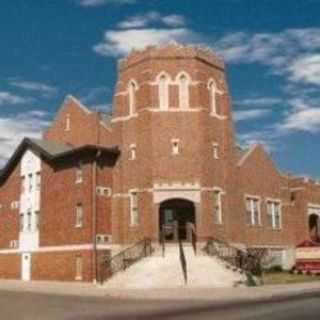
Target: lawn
[[287, 278]]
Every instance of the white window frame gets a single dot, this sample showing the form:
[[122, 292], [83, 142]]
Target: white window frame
[[175, 147], [253, 200], [184, 90], [215, 150], [273, 203], [79, 215], [38, 181], [212, 87], [78, 268], [134, 208], [132, 97], [132, 152], [163, 90], [217, 208], [21, 222], [68, 122], [79, 173], [29, 221], [37, 220]]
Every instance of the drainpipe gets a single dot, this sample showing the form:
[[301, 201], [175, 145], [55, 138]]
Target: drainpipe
[[94, 220]]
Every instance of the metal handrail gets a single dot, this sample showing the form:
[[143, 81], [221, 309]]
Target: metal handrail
[[183, 262], [125, 258], [193, 236], [249, 260]]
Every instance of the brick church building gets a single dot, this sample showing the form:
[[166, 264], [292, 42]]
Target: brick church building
[[95, 183]]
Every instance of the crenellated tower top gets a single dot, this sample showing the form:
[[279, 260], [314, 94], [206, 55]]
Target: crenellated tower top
[[171, 51]]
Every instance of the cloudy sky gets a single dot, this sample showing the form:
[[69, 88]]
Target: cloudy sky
[[271, 49]]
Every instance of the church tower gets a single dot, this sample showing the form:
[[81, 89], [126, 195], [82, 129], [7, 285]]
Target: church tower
[[172, 122]]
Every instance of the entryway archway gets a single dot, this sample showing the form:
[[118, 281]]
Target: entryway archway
[[314, 227], [174, 217]]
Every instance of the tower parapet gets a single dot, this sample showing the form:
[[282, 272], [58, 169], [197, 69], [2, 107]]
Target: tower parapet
[[171, 51]]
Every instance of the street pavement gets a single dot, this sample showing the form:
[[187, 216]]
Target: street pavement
[[36, 306]]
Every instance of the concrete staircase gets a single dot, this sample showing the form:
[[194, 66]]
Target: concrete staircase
[[166, 272]]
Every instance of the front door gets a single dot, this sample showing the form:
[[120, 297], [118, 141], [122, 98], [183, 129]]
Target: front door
[[26, 266], [175, 214]]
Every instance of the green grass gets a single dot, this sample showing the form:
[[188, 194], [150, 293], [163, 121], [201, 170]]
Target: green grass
[[287, 278]]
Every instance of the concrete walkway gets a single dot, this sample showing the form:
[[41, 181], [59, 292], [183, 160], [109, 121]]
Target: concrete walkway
[[216, 295], [157, 272]]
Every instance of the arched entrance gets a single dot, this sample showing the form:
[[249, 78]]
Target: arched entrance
[[174, 217], [314, 227]]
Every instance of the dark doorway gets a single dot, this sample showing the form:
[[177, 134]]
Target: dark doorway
[[314, 227], [174, 216]]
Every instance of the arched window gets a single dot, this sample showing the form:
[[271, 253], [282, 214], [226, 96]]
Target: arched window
[[213, 96], [183, 92], [164, 92], [132, 97]]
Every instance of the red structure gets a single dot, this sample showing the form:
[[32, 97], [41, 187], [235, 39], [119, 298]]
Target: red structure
[[96, 183]]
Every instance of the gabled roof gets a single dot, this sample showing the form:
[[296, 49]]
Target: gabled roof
[[52, 151], [246, 154]]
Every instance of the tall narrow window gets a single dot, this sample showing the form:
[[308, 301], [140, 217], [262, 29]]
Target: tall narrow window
[[79, 173], [132, 152], [79, 267], [274, 215], [68, 123], [36, 220], [217, 207], [29, 221], [215, 151], [132, 97], [183, 92], [134, 213], [164, 92], [21, 221], [253, 211], [213, 96], [23, 185], [175, 146], [79, 216], [38, 181], [30, 182]]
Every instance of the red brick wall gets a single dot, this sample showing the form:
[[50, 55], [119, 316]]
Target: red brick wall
[[9, 219], [60, 266], [10, 266]]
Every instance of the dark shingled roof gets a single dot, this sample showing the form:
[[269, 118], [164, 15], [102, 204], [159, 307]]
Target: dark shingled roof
[[52, 151]]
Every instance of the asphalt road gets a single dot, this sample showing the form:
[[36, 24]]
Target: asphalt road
[[30, 306]]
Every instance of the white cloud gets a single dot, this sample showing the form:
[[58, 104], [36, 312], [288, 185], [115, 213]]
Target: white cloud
[[306, 69], [98, 3], [263, 137], [292, 52], [302, 117], [140, 21], [257, 102], [121, 42], [33, 86], [14, 129], [243, 115], [10, 98]]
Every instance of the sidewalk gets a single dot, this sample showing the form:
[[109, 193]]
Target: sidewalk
[[215, 295]]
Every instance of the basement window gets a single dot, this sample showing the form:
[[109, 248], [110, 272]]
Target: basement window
[[217, 206], [134, 213], [79, 268]]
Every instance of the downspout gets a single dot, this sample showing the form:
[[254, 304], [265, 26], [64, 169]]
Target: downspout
[[94, 219], [94, 207]]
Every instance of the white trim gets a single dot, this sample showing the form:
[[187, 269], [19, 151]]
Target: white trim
[[77, 102], [313, 205], [124, 118], [63, 248], [247, 154]]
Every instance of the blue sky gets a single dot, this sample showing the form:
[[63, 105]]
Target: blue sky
[[271, 49]]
